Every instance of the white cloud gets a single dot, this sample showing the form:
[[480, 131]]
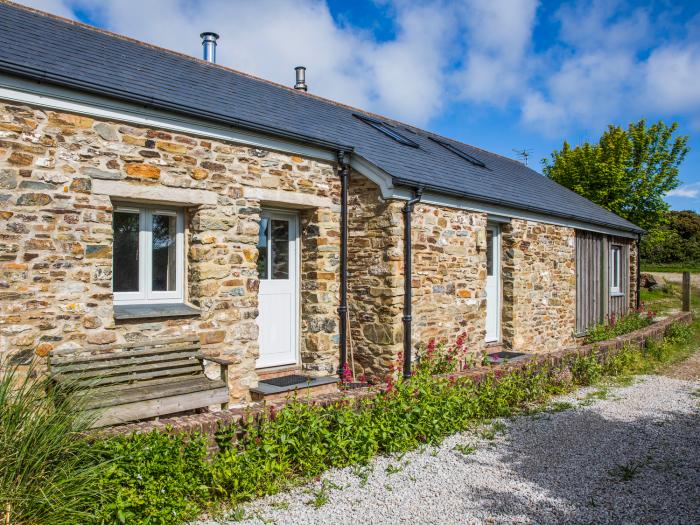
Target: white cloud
[[607, 68], [588, 89], [603, 24], [498, 37], [690, 191], [403, 77], [671, 77], [56, 7]]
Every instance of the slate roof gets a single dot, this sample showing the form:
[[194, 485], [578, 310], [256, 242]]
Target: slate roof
[[54, 50]]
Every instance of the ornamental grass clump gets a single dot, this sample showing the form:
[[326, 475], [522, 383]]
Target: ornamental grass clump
[[48, 473]]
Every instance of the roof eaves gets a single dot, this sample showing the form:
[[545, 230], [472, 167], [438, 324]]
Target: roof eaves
[[543, 211], [88, 87]]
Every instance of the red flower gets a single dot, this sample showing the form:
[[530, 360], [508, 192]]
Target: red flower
[[346, 376]]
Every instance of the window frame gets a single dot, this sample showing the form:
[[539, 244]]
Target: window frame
[[146, 294], [615, 269], [386, 129], [459, 152]]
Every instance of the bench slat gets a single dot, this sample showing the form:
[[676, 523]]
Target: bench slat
[[135, 344], [110, 354], [135, 377], [153, 392], [116, 389], [124, 360], [82, 374], [159, 407]]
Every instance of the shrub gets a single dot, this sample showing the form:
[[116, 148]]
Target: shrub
[[47, 473], [154, 478], [614, 326], [679, 333]]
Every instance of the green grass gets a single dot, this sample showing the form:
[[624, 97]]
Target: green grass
[[666, 298], [465, 449], [671, 267]]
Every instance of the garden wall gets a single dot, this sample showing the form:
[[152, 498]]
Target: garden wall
[[208, 423]]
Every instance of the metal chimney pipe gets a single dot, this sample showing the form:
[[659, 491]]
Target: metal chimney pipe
[[209, 46], [301, 79]]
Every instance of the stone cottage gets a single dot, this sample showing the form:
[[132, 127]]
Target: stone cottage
[[147, 194]]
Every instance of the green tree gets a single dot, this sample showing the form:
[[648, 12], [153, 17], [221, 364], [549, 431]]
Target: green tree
[[677, 241], [628, 171]]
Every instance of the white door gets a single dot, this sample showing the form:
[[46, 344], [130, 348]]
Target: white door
[[493, 283], [278, 296]]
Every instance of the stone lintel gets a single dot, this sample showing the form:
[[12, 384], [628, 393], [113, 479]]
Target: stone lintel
[[159, 193], [289, 199]]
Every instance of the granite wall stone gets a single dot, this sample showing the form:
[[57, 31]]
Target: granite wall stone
[[539, 286]]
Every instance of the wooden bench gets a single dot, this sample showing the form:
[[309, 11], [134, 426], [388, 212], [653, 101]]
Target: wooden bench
[[140, 380]]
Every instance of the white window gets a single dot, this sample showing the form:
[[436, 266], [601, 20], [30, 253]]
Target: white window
[[147, 255], [615, 269]]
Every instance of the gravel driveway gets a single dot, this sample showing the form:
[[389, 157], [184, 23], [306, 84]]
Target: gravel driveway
[[624, 455]]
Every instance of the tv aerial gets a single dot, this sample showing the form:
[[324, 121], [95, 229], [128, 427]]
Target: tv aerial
[[523, 154]]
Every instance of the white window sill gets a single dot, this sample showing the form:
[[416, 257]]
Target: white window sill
[[145, 311], [617, 294]]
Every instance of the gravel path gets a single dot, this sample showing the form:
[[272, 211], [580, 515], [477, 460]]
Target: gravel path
[[623, 455], [676, 277]]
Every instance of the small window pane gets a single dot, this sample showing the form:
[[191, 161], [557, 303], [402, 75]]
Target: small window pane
[[126, 252], [615, 268], [489, 253], [164, 233], [279, 237], [262, 249]]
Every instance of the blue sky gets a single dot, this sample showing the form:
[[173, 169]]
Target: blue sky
[[498, 74]]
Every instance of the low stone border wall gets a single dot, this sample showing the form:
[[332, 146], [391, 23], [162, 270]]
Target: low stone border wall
[[209, 422]]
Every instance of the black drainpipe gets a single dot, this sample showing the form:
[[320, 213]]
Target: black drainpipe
[[344, 162], [407, 281], [639, 269]]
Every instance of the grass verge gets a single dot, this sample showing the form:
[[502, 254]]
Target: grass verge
[[671, 267]]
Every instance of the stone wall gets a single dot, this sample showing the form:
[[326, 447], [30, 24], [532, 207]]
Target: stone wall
[[320, 274], [375, 277], [56, 236], [449, 276], [539, 286], [56, 260]]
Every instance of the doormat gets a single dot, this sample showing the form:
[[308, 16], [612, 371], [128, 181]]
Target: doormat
[[498, 357], [294, 379]]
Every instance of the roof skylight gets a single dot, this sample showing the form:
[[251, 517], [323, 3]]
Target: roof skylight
[[386, 129], [459, 152]]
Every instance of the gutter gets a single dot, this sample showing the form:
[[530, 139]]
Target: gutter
[[344, 173], [43, 77], [639, 271], [407, 281], [501, 202]]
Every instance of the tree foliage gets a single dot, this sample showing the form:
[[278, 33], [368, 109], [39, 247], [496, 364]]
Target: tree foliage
[[628, 171], [677, 241]]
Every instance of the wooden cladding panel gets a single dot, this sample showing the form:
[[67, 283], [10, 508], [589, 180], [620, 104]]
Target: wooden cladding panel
[[589, 280], [594, 302]]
